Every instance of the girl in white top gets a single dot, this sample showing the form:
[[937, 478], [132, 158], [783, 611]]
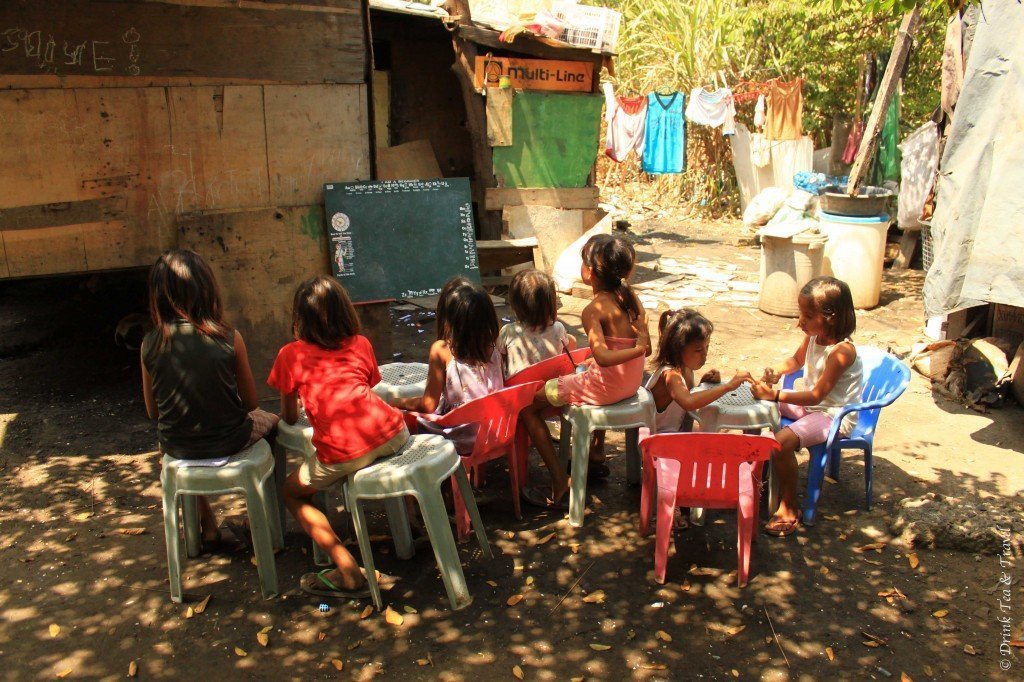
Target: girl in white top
[[833, 373], [535, 335], [682, 349]]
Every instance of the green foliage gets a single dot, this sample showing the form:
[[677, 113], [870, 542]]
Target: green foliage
[[682, 44]]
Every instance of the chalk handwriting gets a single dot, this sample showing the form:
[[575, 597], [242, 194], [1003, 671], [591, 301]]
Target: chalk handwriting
[[39, 48]]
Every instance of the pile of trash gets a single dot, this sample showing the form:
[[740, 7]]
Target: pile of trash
[[976, 373]]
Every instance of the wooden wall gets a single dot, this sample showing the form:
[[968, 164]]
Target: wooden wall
[[131, 126]]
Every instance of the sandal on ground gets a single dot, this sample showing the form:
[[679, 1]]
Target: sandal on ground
[[539, 498], [780, 528], [384, 581], [318, 584]]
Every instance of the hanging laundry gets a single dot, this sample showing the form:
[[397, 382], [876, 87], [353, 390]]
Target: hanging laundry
[[920, 160], [853, 142], [760, 150], [715, 108], [886, 164], [626, 118], [759, 112], [665, 137], [785, 109]]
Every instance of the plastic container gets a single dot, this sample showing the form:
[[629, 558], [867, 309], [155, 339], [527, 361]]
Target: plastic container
[[855, 253], [594, 28], [786, 266], [870, 202]]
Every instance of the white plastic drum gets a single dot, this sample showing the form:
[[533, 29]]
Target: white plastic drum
[[787, 264], [855, 253]]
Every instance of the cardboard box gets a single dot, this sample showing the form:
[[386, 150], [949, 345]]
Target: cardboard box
[[1007, 322]]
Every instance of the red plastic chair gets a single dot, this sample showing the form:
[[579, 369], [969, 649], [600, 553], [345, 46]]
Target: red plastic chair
[[542, 371], [498, 415], [709, 470]]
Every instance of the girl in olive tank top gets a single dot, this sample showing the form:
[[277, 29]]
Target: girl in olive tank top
[[196, 380]]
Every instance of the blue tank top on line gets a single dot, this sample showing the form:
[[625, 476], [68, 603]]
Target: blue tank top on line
[[665, 137]]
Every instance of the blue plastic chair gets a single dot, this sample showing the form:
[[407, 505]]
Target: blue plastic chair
[[885, 379]]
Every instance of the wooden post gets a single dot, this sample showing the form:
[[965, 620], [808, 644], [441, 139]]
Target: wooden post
[[900, 53]]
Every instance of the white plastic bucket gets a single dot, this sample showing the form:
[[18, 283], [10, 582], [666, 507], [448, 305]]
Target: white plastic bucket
[[787, 264], [855, 253]]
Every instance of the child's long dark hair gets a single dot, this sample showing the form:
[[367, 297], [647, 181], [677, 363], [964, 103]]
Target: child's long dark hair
[[833, 299], [182, 286], [677, 329], [444, 300], [322, 313], [532, 297], [611, 260], [472, 324]]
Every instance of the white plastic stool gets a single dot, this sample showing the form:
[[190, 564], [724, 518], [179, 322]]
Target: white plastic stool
[[579, 421], [249, 472], [400, 380], [298, 437], [418, 469]]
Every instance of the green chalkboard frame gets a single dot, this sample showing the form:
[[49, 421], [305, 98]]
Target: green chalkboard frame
[[399, 239]]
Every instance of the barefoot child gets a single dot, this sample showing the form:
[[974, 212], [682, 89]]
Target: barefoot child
[[684, 337], [196, 380], [332, 368], [833, 373], [616, 327]]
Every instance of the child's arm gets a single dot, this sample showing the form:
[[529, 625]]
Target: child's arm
[[243, 375], [838, 361], [147, 392], [772, 375], [290, 407], [436, 364], [568, 339], [643, 332], [604, 356], [679, 389]]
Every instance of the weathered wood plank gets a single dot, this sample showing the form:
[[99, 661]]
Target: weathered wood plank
[[528, 45], [900, 53], [495, 254], [584, 197], [4, 270], [63, 213], [218, 148], [499, 116], [149, 39], [315, 134], [45, 251], [409, 161]]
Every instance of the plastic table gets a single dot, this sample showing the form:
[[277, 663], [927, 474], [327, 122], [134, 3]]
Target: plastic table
[[401, 380]]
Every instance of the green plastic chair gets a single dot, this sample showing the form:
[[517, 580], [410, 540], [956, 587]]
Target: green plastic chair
[[250, 472]]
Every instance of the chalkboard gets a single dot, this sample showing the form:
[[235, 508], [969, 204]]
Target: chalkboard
[[400, 238]]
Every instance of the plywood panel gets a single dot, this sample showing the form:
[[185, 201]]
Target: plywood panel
[[409, 161], [218, 149], [45, 251], [62, 213], [123, 147], [4, 270], [315, 134], [38, 132], [152, 40], [115, 244], [259, 258]]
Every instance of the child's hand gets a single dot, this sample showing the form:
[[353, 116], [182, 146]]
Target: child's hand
[[762, 391], [712, 376], [770, 377], [739, 379]]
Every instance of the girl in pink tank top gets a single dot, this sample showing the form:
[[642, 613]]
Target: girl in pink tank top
[[616, 327]]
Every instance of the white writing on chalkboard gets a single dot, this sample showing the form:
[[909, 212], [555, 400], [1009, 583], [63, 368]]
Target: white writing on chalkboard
[[419, 293], [99, 56], [468, 236], [395, 187]]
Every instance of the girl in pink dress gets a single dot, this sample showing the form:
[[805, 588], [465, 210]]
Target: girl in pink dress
[[616, 327]]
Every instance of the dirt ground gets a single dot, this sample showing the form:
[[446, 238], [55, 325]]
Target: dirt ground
[[80, 598]]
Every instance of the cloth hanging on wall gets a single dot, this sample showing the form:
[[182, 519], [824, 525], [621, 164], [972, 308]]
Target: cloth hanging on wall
[[715, 108], [665, 136], [917, 169], [627, 121], [785, 109]]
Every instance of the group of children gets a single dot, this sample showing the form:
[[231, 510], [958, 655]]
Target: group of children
[[198, 385]]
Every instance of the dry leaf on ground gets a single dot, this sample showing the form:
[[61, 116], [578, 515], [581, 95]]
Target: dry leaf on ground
[[131, 531], [876, 546], [600, 647], [941, 613], [337, 663], [914, 563], [393, 617], [663, 636], [529, 580], [263, 638], [492, 583], [64, 673], [653, 666], [831, 654], [267, 630], [595, 597], [189, 612], [321, 636], [971, 651], [409, 609], [906, 678], [733, 631], [514, 599], [133, 669], [201, 606], [517, 672], [546, 539], [240, 652], [367, 612], [54, 629]]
